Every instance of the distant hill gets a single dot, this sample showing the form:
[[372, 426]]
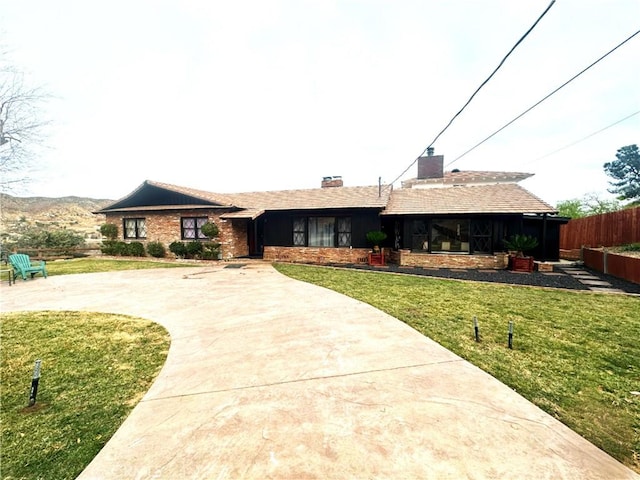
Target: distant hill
[[73, 213]]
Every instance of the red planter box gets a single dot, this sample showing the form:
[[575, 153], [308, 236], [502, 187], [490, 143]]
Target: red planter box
[[521, 264], [376, 258]]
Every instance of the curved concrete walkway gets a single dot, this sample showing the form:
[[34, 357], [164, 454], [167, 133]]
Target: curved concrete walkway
[[268, 377]]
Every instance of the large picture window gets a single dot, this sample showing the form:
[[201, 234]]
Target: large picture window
[[450, 235], [322, 231], [135, 228], [192, 228]]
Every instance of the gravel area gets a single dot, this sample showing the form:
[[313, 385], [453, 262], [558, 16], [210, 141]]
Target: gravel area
[[556, 279]]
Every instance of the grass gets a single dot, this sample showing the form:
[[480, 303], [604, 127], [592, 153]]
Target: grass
[[95, 369], [576, 355], [95, 265]]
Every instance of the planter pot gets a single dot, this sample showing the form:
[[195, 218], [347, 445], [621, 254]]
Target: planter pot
[[521, 264], [376, 258]]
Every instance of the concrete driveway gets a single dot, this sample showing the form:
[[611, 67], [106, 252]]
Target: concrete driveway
[[268, 377]]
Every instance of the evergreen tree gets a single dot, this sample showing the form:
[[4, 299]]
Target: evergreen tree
[[626, 174]]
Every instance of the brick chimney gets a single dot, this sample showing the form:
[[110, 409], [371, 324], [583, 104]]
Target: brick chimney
[[430, 166], [328, 182]]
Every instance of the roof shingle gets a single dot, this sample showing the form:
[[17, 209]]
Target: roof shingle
[[307, 199], [501, 198]]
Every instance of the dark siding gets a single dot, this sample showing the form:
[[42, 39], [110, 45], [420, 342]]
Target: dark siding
[[278, 226], [534, 226], [503, 227], [278, 229]]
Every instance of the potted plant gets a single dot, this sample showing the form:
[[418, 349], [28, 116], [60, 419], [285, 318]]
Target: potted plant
[[375, 237], [520, 244]]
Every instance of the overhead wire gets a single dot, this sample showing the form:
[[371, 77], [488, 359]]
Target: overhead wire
[[583, 138], [477, 90], [545, 97]]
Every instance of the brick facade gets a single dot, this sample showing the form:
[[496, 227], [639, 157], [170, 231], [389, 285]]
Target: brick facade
[[316, 254], [165, 227], [407, 258]]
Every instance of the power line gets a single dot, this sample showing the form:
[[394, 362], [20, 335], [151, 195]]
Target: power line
[[477, 90], [546, 97], [584, 138]]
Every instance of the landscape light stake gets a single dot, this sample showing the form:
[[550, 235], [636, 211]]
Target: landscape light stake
[[511, 334], [476, 329], [34, 383]]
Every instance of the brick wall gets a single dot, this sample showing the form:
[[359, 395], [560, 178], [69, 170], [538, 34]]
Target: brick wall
[[498, 261], [403, 257], [165, 228], [316, 254]]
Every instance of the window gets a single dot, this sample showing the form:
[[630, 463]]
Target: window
[[135, 228], [299, 231], [344, 232], [191, 228], [420, 236], [450, 235], [481, 235], [322, 231]]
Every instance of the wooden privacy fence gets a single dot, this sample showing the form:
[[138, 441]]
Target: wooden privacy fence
[[621, 266], [606, 230]]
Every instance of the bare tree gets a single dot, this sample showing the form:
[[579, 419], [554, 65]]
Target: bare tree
[[21, 127]]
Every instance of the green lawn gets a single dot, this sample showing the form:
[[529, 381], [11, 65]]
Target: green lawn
[[576, 355], [94, 265], [95, 369]]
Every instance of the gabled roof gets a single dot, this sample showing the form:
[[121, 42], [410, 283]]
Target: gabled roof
[[495, 198], [458, 177], [500, 198], [152, 195]]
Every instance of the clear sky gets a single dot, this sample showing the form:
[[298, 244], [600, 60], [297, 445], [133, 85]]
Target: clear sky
[[232, 96]]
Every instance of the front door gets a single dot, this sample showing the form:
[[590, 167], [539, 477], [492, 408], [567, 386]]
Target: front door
[[255, 232]]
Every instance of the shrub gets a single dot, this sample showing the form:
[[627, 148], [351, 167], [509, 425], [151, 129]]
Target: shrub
[[194, 249], [210, 230], [179, 249], [38, 237], [630, 247], [156, 249], [134, 249], [108, 247], [109, 230], [211, 250], [119, 248]]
